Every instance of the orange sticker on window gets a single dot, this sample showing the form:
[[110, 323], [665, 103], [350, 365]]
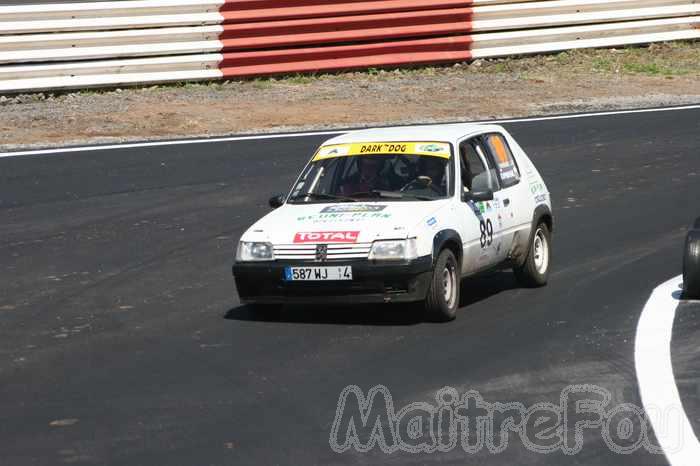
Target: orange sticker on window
[[500, 150]]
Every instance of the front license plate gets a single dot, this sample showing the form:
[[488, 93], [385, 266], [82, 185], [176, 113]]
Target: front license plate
[[293, 274]]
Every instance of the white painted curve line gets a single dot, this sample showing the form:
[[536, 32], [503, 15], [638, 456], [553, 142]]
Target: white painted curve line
[[657, 385], [174, 142], [330, 132]]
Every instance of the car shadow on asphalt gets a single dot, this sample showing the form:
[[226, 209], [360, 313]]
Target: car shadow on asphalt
[[366, 314], [481, 287], [473, 291]]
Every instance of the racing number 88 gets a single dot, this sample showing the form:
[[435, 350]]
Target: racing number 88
[[486, 233]]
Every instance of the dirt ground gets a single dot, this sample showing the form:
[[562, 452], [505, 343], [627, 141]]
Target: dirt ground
[[587, 80]]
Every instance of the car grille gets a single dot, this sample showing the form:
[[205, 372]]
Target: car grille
[[335, 252]]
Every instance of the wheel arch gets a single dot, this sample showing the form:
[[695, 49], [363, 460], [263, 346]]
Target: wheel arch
[[519, 251], [696, 225], [448, 239], [542, 214]]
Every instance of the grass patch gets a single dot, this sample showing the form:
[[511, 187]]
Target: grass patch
[[645, 68], [261, 83], [602, 64], [301, 79], [663, 59]]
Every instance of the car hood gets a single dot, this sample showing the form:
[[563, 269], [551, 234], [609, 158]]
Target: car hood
[[342, 222]]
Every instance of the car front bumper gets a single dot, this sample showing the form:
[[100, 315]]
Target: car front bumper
[[373, 282]]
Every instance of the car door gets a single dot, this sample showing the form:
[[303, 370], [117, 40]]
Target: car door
[[514, 214], [479, 220]]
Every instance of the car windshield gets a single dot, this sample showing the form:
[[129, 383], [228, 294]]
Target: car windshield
[[380, 176]]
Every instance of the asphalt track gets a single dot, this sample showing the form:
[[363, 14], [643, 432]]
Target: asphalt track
[[119, 318]]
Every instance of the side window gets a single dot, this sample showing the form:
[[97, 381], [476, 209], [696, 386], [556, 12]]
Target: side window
[[476, 176], [505, 163], [470, 163], [490, 178]]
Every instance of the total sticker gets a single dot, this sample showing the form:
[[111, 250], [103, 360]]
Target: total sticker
[[327, 237]]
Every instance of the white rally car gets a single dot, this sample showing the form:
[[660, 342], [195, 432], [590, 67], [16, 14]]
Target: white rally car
[[400, 215]]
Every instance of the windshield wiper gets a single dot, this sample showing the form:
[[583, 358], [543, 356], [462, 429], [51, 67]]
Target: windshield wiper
[[322, 196], [391, 195]]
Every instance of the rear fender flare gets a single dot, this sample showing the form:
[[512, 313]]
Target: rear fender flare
[[520, 248]]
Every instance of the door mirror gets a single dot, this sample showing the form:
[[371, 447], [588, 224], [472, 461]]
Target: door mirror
[[477, 196], [276, 201]]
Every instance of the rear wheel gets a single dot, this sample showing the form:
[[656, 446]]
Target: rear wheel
[[442, 300], [691, 265], [535, 271]]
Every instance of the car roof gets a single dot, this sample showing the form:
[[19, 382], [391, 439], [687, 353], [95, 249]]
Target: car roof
[[424, 133]]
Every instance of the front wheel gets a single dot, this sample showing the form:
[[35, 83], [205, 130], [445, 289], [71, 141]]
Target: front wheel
[[691, 265], [442, 300], [535, 271]]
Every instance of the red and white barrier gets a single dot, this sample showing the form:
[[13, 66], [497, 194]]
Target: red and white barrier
[[63, 46]]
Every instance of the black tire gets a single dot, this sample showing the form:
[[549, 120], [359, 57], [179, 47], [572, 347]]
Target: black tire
[[535, 270], [442, 300], [696, 225], [691, 266]]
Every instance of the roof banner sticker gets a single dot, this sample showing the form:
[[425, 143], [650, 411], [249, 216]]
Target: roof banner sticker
[[327, 152], [432, 149]]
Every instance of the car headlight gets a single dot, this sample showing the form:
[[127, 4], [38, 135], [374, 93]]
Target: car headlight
[[254, 251], [404, 249]]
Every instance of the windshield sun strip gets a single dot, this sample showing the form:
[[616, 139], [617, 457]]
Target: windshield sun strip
[[449, 156]]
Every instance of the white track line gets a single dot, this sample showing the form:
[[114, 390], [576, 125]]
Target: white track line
[[175, 142], [657, 385]]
